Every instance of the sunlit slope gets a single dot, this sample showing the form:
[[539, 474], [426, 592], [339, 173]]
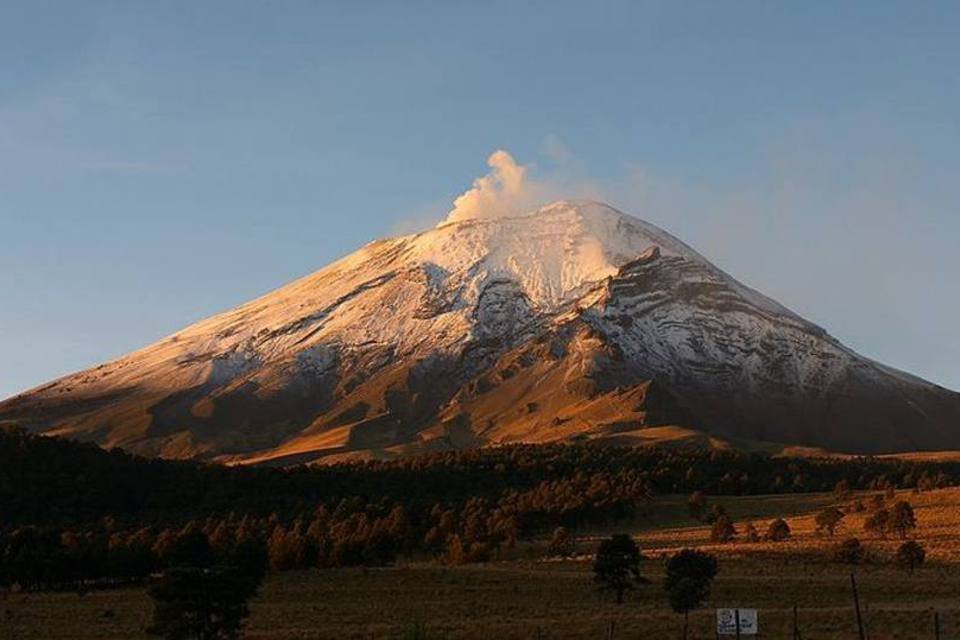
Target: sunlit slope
[[574, 321]]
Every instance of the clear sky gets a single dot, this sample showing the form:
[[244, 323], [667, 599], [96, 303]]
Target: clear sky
[[162, 161]]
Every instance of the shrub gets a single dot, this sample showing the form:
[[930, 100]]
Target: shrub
[[562, 543], [911, 554], [778, 530], [828, 520], [722, 529], [850, 551]]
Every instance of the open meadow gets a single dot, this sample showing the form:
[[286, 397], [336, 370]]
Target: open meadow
[[526, 597]]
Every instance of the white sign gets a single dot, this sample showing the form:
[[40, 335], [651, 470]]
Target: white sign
[[727, 622]]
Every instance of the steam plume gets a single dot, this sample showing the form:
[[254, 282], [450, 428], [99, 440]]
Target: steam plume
[[506, 190]]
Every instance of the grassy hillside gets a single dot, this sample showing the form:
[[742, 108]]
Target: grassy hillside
[[522, 598]]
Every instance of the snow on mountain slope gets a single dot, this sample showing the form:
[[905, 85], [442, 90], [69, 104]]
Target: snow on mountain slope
[[572, 321]]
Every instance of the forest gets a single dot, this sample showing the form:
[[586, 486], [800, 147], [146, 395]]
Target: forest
[[72, 514]]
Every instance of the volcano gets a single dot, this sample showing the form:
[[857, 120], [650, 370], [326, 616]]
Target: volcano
[[572, 322]]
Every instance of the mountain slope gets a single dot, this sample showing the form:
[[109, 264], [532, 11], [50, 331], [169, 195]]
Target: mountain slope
[[573, 321]]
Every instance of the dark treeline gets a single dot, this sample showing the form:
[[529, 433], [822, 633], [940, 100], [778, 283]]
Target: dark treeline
[[76, 516], [51, 480], [71, 513]]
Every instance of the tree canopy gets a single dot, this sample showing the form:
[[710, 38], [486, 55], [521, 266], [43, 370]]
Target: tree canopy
[[617, 565]]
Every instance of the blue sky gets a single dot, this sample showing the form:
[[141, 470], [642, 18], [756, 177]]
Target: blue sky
[[160, 162]]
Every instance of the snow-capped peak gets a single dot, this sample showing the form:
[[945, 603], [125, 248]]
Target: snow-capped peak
[[552, 253], [494, 328]]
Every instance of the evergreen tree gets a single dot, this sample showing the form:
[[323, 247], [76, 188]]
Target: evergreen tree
[[902, 519], [689, 574], [911, 554], [878, 522], [616, 566], [850, 551], [722, 529], [202, 604], [828, 519]]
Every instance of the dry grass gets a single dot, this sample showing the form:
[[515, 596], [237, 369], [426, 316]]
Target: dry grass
[[937, 513], [553, 599]]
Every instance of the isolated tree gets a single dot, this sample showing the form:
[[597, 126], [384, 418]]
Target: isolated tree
[[697, 505], [617, 565], [911, 554], [456, 554], [562, 543], [878, 522], [689, 575], [850, 551], [902, 519], [202, 604], [778, 530], [828, 520], [750, 533], [722, 529]]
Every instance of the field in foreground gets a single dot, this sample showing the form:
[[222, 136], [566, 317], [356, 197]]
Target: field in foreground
[[556, 599]]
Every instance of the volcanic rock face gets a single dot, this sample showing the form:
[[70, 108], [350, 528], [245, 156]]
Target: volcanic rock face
[[575, 321]]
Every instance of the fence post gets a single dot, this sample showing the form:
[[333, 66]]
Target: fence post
[[796, 625], [736, 617], [856, 604], [866, 620], [936, 625]]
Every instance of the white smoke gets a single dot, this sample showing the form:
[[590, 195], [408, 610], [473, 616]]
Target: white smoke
[[857, 210], [506, 191]]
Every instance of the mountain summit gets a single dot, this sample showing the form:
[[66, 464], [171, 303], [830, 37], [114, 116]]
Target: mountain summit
[[575, 321]]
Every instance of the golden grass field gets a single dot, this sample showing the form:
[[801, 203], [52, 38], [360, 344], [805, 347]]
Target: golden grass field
[[523, 598]]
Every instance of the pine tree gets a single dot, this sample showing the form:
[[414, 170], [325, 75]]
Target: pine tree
[[689, 574], [902, 519], [850, 551], [616, 566], [828, 520], [911, 554], [722, 529], [206, 604]]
